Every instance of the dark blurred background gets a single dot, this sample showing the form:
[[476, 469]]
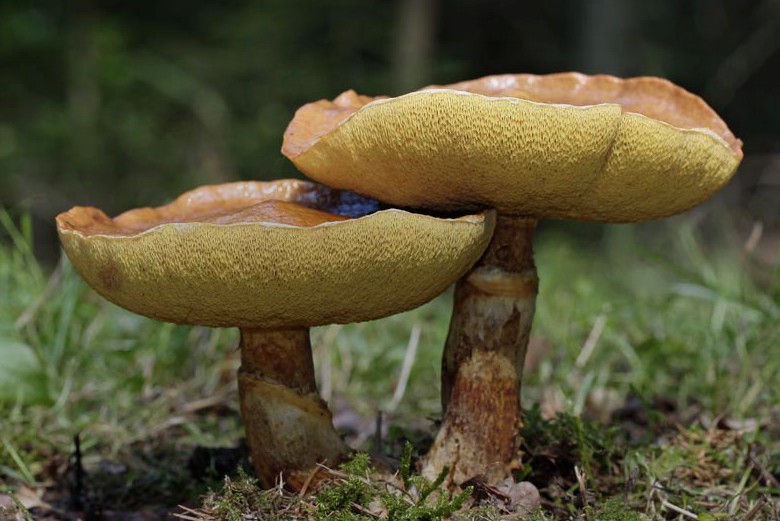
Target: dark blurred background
[[118, 104]]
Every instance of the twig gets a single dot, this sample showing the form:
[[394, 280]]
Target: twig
[[756, 232], [592, 341], [206, 403], [365, 511], [753, 511], [411, 353], [682, 511], [343, 475], [652, 491], [186, 515], [407, 493], [769, 479], [582, 482], [77, 487], [307, 481]]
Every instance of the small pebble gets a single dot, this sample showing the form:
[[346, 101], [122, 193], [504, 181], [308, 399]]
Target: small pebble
[[523, 497]]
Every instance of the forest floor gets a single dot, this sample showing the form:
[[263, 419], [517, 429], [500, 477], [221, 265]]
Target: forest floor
[[650, 392]]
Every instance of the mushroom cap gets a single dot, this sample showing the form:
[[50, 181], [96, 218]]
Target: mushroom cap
[[232, 255], [593, 148]]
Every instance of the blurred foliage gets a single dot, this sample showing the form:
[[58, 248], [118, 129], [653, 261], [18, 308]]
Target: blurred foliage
[[117, 104]]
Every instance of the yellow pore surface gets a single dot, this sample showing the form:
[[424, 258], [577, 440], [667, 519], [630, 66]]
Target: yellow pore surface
[[446, 148], [270, 275]]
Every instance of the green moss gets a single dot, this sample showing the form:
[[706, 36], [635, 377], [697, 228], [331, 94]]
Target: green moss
[[349, 493], [238, 497], [613, 509]]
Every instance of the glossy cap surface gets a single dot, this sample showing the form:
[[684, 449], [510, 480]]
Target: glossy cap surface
[[270, 255], [594, 148]]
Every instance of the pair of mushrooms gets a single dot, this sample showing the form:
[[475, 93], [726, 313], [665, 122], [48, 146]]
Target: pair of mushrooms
[[277, 258]]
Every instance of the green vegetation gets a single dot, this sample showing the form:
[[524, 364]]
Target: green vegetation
[[651, 390], [350, 493]]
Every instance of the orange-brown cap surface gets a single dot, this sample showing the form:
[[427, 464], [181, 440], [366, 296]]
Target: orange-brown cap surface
[[566, 145], [270, 255]]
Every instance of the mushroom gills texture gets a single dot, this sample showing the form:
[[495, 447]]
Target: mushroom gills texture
[[273, 259], [647, 150]]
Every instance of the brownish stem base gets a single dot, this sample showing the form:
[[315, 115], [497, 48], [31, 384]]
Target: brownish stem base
[[483, 360], [289, 427]]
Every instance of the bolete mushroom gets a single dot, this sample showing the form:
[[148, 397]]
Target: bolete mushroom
[[273, 259], [562, 146]]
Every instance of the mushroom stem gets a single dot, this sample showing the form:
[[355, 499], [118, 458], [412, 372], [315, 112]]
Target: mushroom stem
[[289, 427], [483, 360]]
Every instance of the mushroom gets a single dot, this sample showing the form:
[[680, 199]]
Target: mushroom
[[273, 259], [561, 146]]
